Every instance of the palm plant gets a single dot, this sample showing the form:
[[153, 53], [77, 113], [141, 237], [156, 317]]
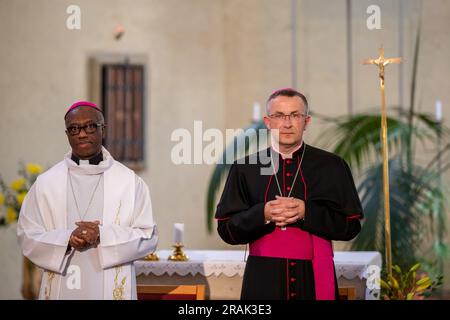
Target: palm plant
[[240, 142], [416, 192]]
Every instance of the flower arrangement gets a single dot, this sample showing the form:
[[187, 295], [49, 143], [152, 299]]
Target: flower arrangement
[[413, 284], [12, 195]]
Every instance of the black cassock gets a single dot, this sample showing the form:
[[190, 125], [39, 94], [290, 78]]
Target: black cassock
[[295, 262]]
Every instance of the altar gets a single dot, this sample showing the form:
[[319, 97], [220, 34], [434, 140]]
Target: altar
[[222, 271]]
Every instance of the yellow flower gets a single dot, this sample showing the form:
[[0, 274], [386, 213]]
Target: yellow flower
[[11, 215], [18, 184], [20, 197], [2, 199], [34, 169]]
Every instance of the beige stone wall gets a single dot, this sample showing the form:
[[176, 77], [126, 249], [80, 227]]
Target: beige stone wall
[[257, 55], [207, 60]]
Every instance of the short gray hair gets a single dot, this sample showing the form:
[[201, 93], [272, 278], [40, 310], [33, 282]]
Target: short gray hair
[[287, 92]]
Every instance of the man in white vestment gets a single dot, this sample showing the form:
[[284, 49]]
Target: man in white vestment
[[86, 219]]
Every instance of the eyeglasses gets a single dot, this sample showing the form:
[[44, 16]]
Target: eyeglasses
[[293, 116], [88, 128]]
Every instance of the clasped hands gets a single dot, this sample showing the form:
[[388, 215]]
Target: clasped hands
[[283, 211], [86, 234]]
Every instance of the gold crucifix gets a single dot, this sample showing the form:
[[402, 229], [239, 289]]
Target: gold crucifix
[[381, 62]]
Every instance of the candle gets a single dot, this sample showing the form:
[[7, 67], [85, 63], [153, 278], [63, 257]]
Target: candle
[[256, 112], [438, 111], [178, 229]]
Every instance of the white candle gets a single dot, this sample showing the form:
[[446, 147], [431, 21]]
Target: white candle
[[256, 112], [178, 230], [438, 111]]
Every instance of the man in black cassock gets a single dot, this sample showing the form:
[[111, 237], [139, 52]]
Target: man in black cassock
[[289, 217]]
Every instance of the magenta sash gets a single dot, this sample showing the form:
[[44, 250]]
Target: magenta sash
[[294, 243]]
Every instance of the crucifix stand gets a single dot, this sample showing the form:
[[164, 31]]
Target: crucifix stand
[[381, 62]]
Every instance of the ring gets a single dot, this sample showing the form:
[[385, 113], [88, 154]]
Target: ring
[[83, 232]]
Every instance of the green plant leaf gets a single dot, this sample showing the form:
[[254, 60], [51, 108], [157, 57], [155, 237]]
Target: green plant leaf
[[396, 268], [423, 281], [415, 267], [423, 287], [394, 282], [384, 285]]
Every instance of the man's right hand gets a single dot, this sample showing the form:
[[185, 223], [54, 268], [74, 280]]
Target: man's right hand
[[272, 209], [76, 242]]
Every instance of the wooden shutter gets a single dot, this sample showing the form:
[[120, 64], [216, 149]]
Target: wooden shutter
[[123, 103]]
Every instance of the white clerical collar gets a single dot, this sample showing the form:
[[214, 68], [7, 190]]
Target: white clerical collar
[[85, 168], [288, 155]]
